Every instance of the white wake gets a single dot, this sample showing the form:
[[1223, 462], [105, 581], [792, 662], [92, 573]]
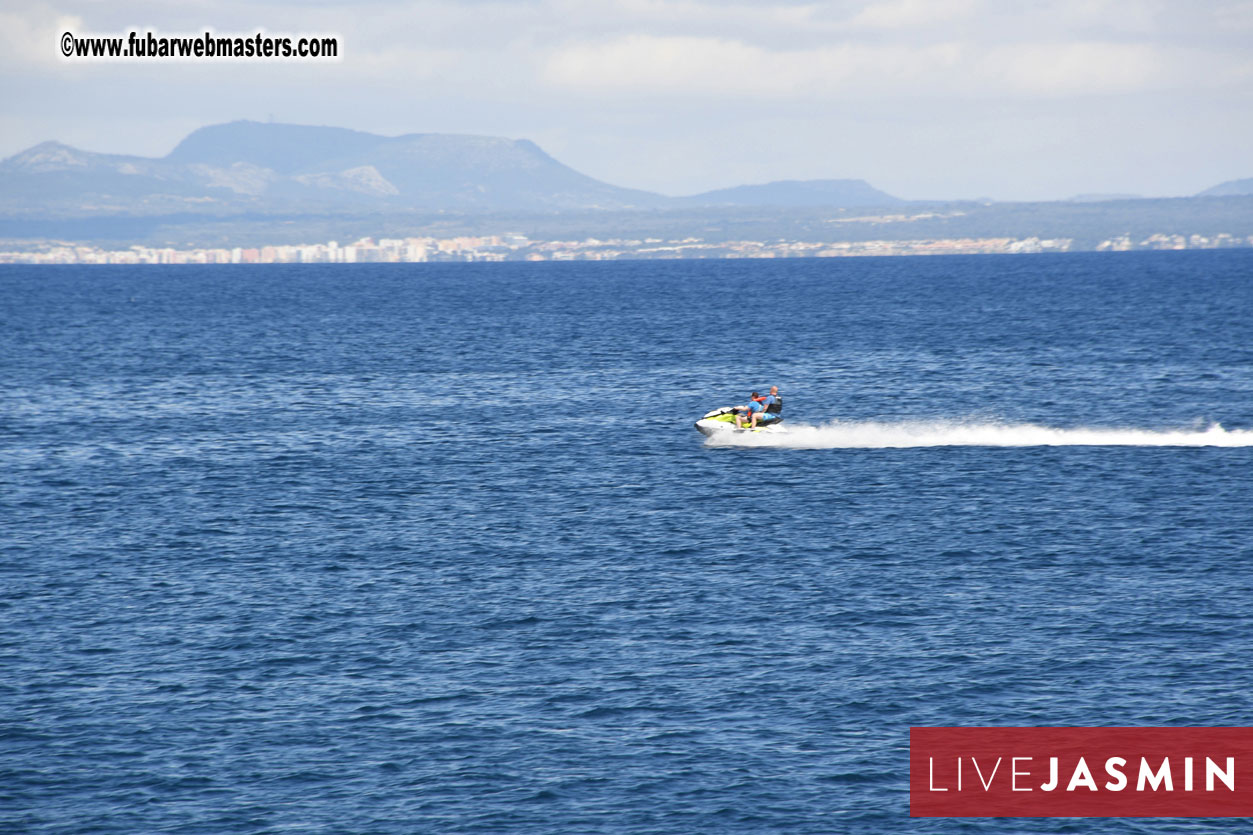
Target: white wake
[[905, 434]]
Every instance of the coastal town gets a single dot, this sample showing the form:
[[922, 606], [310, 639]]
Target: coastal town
[[517, 247]]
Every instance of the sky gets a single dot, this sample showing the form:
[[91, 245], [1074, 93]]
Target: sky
[[925, 99]]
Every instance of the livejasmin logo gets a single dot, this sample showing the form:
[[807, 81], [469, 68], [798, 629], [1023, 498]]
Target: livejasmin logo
[[1081, 772], [1161, 779]]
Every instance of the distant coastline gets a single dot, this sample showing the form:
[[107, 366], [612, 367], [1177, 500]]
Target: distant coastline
[[515, 247]]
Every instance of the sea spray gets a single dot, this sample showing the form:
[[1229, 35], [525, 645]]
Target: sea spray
[[938, 433]]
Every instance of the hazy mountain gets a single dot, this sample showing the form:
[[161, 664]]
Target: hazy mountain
[[1231, 188], [268, 168], [246, 173], [284, 149], [797, 193], [440, 171], [54, 174], [252, 166]]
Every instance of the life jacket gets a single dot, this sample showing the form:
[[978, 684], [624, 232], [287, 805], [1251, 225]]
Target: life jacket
[[775, 408]]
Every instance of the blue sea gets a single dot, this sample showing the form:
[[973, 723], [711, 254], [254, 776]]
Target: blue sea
[[437, 549]]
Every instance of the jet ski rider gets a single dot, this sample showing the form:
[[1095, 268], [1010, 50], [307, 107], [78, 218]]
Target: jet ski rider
[[759, 406], [753, 408]]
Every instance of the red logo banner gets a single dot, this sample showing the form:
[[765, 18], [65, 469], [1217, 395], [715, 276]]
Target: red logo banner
[[1080, 772]]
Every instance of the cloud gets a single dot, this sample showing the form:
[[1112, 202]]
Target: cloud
[[899, 14], [29, 38], [850, 69], [1073, 68], [1236, 15], [690, 65]]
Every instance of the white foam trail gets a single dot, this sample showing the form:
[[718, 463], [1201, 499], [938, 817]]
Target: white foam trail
[[904, 434]]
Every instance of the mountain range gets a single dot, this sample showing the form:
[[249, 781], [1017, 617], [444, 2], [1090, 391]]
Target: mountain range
[[278, 168], [249, 180], [1231, 188], [265, 167]]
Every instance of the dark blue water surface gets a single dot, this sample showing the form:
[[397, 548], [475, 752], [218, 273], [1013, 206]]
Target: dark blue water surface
[[408, 548]]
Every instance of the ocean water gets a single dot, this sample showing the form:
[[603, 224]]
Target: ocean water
[[411, 549]]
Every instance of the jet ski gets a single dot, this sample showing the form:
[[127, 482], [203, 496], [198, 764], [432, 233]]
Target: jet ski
[[722, 420]]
